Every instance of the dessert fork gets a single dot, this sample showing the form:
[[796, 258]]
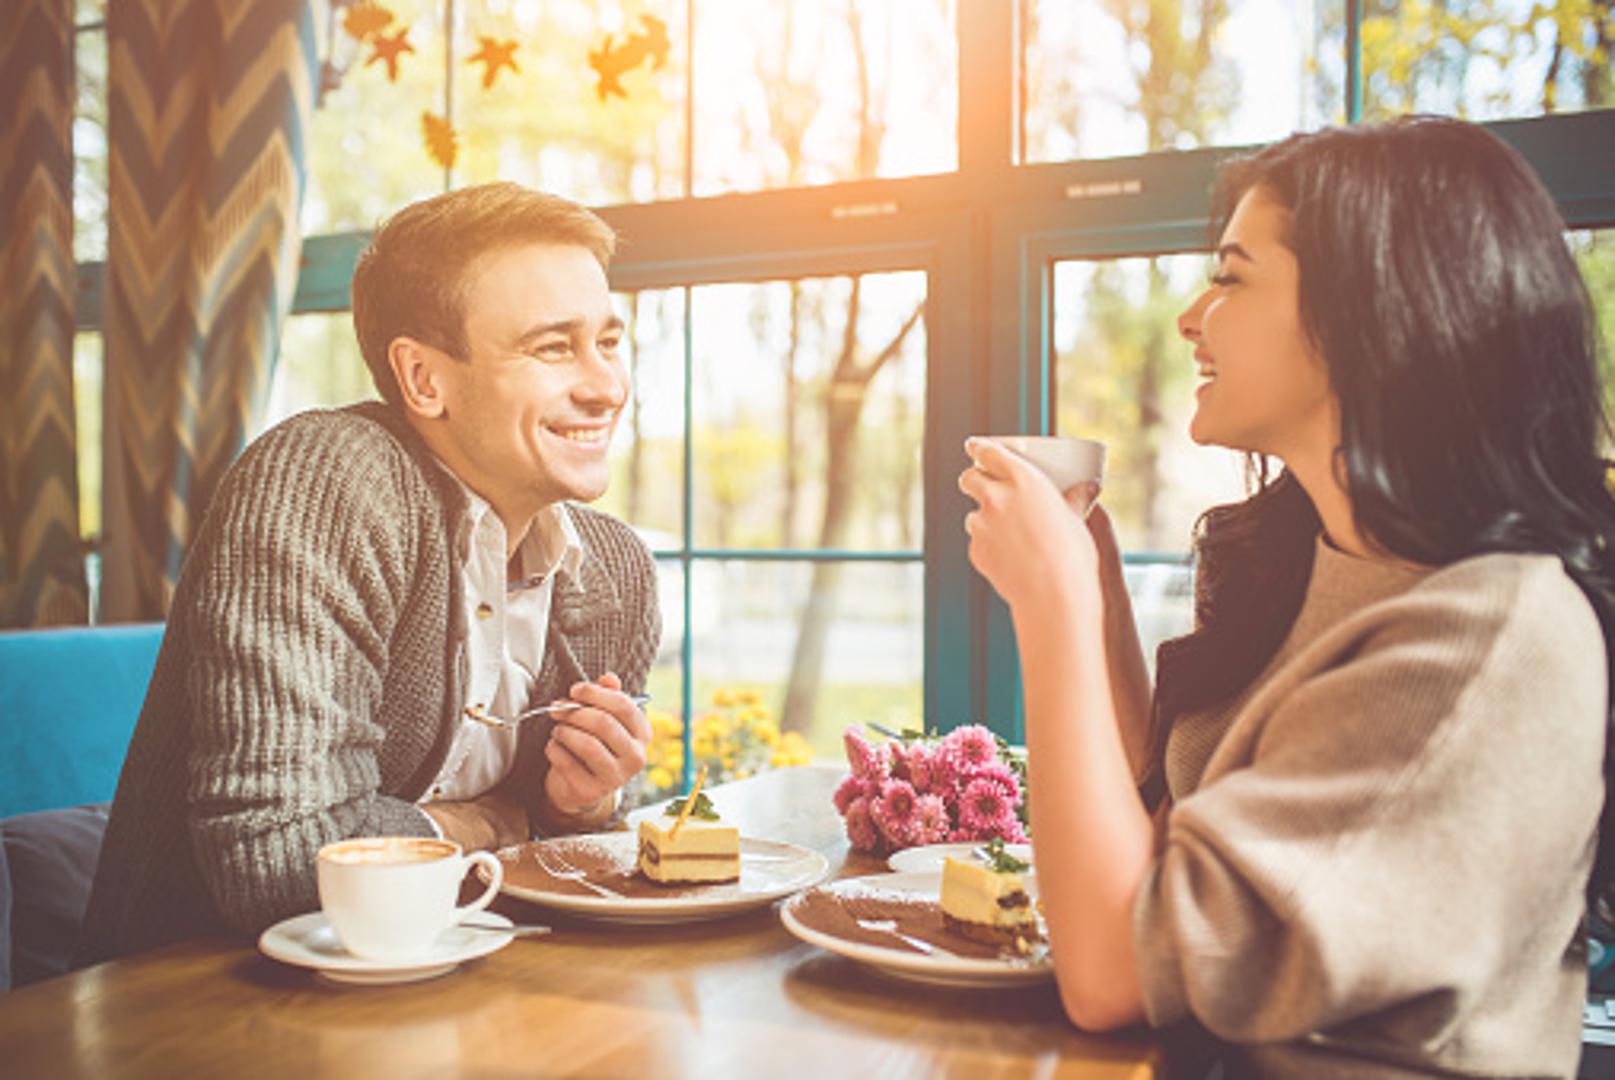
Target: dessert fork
[[559, 868], [889, 926]]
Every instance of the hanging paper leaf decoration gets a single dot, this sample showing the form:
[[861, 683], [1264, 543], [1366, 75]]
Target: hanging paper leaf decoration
[[495, 54], [441, 141], [388, 49], [365, 19], [610, 64]]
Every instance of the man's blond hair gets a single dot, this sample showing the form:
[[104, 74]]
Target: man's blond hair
[[411, 280]]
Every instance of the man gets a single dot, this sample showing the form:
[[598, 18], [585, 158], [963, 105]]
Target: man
[[377, 592]]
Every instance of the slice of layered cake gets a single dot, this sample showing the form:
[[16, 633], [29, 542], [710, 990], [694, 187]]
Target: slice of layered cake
[[987, 901], [682, 847]]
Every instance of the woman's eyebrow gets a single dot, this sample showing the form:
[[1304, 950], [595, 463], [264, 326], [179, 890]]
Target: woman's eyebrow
[[1233, 249]]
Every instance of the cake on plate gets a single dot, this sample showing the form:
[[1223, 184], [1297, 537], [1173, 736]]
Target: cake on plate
[[987, 901], [693, 847]]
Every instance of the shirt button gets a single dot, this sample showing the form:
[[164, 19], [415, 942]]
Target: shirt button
[[484, 610]]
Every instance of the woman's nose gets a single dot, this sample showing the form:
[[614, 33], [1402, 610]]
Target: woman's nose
[[1189, 320]]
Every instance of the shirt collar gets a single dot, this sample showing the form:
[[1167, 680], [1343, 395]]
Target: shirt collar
[[552, 541]]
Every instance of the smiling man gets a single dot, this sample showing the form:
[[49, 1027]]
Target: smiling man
[[377, 592]]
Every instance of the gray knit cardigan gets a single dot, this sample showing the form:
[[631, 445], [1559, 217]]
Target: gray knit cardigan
[[312, 674]]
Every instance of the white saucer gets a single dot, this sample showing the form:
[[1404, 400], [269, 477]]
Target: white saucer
[[929, 858], [309, 941]]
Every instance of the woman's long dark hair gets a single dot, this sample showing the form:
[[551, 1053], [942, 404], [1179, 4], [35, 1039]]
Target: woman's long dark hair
[[1459, 338]]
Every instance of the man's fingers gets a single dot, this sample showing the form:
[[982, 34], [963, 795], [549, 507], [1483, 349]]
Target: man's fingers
[[613, 702], [591, 752]]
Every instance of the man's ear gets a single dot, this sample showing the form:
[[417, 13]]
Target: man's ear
[[417, 368]]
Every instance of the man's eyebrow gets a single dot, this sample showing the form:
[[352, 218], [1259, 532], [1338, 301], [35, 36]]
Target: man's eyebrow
[[1234, 249]]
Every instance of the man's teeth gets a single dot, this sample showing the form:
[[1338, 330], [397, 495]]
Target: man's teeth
[[582, 435]]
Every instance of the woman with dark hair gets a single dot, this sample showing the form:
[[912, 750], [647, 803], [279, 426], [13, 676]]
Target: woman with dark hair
[[1385, 745]]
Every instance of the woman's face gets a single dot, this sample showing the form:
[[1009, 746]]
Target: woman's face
[[1263, 388]]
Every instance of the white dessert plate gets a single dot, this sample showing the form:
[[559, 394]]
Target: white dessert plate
[[769, 870], [899, 959], [309, 941], [929, 858]]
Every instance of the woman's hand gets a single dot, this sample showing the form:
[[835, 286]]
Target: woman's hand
[[1026, 538]]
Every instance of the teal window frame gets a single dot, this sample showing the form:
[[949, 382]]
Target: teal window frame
[[987, 236]]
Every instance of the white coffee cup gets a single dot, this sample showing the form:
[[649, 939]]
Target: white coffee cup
[[389, 897], [1064, 459]]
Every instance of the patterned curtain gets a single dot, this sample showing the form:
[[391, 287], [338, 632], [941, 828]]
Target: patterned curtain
[[41, 565], [209, 103]]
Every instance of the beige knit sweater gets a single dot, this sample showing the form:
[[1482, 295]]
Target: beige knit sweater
[[312, 674], [1375, 858]]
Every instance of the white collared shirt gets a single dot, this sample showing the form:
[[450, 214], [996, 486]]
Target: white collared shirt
[[508, 624]]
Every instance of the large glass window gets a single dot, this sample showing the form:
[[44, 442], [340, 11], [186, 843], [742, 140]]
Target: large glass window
[[803, 92], [790, 449], [809, 402], [1486, 59], [1107, 78]]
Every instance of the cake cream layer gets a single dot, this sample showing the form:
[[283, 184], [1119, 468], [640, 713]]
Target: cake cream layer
[[698, 851], [693, 838], [977, 894]]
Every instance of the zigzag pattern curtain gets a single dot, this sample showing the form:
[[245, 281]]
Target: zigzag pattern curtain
[[208, 109], [41, 568]]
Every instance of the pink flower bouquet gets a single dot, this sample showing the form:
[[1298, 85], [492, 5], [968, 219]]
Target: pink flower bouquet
[[963, 786]]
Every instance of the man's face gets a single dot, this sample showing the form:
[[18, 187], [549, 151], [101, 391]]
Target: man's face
[[529, 414]]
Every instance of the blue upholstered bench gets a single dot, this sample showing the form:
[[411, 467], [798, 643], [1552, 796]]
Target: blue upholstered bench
[[68, 704]]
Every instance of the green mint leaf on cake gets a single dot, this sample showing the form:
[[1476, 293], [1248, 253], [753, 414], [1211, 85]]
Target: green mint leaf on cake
[[1002, 861], [702, 809]]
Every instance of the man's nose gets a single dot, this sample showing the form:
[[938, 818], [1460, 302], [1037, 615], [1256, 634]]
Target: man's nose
[[605, 380]]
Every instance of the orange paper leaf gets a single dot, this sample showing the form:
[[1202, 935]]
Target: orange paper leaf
[[442, 143], [389, 49], [495, 54], [610, 62], [365, 19]]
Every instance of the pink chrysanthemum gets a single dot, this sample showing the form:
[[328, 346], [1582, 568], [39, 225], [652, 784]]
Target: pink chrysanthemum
[[894, 811], [930, 821], [983, 807], [851, 788], [1000, 775], [917, 763], [868, 762], [861, 826], [969, 748]]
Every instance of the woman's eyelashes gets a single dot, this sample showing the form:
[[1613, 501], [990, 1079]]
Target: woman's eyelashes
[[1223, 279]]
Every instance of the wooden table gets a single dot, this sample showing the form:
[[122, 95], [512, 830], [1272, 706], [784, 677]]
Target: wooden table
[[737, 997]]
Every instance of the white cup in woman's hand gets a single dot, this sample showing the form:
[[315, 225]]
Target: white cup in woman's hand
[[1068, 461]]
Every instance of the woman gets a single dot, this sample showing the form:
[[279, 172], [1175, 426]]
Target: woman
[[1384, 745]]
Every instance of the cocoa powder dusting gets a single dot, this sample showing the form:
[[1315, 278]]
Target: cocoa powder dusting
[[615, 868], [830, 913]]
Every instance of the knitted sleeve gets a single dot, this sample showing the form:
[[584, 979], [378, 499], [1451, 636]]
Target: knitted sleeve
[[1427, 784], [301, 572]]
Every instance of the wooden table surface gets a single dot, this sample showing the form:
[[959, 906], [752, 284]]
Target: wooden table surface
[[736, 997]]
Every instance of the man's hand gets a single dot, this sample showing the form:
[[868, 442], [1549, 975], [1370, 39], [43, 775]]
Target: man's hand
[[596, 749]]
